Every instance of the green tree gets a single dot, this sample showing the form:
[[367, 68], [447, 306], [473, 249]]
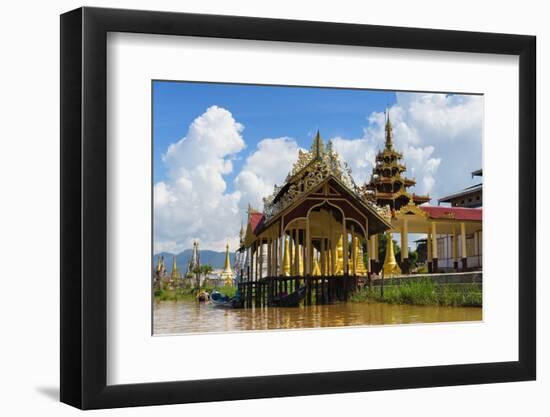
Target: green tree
[[206, 269]]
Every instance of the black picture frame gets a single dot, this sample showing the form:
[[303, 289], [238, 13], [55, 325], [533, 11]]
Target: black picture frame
[[84, 207]]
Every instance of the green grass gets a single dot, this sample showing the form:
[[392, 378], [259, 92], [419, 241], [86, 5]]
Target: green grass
[[189, 294], [423, 292]]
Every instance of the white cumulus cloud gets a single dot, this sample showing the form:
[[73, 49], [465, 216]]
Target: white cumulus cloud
[[192, 203]]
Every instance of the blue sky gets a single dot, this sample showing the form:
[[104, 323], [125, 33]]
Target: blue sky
[[220, 147], [265, 111]]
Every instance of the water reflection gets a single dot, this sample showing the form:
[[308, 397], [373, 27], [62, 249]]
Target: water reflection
[[192, 317]]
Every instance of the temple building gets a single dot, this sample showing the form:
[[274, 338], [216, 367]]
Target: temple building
[[469, 197], [319, 222]]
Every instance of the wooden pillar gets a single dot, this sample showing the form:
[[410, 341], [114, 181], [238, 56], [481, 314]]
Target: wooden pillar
[[257, 263], [307, 258], [376, 261], [369, 246], [323, 257], [455, 250], [262, 244], [371, 254], [250, 263], [290, 251], [275, 260], [429, 251], [434, 248], [476, 247], [464, 252], [405, 246], [274, 256], [345, 246], [253, 261], [353, 260], [282, 245], [269, 258], [304, 253], [296, 252]]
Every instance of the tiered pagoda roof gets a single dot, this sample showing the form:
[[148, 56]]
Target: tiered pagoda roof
[[388, 184]]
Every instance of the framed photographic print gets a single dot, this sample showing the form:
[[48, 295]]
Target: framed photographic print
[[258, 207]]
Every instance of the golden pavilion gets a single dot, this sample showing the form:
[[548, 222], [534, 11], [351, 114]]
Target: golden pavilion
[[318, 222]]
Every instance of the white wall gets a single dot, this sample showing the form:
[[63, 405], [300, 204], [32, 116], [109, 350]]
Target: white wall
[[29, 208]]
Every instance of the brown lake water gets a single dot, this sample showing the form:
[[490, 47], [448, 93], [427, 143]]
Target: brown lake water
[[171, 317]]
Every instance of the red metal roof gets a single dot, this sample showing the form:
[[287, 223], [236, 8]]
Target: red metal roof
[[256, 221], [457, 213]]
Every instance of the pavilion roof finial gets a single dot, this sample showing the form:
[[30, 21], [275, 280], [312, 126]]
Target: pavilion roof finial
[[317, 147]]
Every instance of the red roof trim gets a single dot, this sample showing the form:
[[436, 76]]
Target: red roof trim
[[256, 222], [457, 213]]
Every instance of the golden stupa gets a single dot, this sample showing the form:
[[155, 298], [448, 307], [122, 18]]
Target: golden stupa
[[227, 273], [359, 267], [390, 264]]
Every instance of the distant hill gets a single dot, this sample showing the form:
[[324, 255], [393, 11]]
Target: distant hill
[[216, 259]]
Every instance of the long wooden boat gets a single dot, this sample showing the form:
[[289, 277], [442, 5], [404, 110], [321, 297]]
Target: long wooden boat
[[221, 300], [289, 300]]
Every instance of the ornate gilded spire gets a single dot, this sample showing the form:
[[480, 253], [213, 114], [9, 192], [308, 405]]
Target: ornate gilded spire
[[227, 273], [175, 273], [359, 266], [227, 266], [389, 130], [318, 147]]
